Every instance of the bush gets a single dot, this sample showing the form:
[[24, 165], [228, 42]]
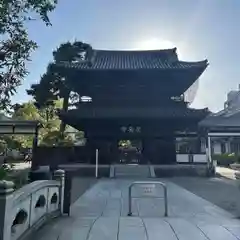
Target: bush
[[5, 169], [226, 159], [19, 178], [3, 173]]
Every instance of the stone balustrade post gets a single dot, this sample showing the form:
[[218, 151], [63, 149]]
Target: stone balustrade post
[[59, 175], [6, 189]]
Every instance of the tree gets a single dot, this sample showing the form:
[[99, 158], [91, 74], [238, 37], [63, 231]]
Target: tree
[[28, 111], [52, 138], [53, 83], [43, 94], [49, 133], [25, 111], [16, 47]]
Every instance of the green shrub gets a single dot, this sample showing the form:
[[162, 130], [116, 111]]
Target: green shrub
[[238, 159], [3, 173], [19, 178], [226, 159], [5, 169]]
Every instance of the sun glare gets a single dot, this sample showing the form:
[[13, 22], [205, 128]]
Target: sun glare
[[155, 43]]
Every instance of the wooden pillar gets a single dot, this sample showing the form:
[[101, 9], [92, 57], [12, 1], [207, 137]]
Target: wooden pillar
[[114, 154], [172, 149], [34, 149], [146, 158], [209, 147], [149, 150], [103, 147], [91, 149]]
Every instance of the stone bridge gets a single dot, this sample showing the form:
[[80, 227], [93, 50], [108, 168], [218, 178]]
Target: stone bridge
[[25, 210]]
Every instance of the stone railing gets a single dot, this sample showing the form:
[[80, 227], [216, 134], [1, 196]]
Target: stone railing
[[26, 209], [192, 158]]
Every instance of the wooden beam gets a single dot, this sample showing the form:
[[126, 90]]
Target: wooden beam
[[223, 134]]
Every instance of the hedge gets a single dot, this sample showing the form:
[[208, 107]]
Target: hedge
[[226, 159]]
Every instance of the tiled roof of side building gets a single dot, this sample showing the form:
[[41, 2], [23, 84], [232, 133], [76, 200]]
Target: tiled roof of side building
[[224, 118], [151, 59]]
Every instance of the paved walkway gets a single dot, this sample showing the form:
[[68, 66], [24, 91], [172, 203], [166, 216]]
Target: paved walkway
[[226, 172], [101, 214]]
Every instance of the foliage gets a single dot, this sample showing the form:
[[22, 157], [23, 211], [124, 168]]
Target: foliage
[[49, 133], [2, 145], [125, 143], [79, 135], [53, 84], [11, 141], [3, 173], [29, 111], [26, 111], [225, 159], [8, 173], [5, 169], [42, 93], [52, 138], [15, 46]]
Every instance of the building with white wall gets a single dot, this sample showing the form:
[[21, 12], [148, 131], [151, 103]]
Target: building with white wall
[[227, 118], [233, 99]]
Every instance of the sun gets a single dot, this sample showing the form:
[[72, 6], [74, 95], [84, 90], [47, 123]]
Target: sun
[[155, 43]]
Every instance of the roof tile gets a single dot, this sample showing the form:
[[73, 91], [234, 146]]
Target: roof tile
[[152, 59]]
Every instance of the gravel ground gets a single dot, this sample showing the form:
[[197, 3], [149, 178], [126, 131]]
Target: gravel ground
[[220, 191]]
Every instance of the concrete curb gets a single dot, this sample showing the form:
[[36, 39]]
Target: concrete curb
[[112, 171], [152, 171]]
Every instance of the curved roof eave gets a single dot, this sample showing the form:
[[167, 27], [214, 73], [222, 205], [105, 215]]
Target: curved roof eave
[[87, 66], [170, 50], [132, 60]]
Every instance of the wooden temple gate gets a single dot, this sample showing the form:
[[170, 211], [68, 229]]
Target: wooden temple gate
[[132, 95]]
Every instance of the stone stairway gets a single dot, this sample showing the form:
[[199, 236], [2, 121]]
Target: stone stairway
[[131, 171]]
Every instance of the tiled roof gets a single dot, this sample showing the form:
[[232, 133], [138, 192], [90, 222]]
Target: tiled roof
[[151, 59], [5, 121], [117, 112], [225, 118]]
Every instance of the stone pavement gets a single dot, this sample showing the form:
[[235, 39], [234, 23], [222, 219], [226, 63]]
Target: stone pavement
[[225, 172], [101, 214]]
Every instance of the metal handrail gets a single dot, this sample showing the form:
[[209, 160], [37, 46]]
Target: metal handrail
[[146, 183]]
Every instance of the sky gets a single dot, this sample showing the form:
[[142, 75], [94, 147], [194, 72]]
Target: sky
[[200, 29]]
